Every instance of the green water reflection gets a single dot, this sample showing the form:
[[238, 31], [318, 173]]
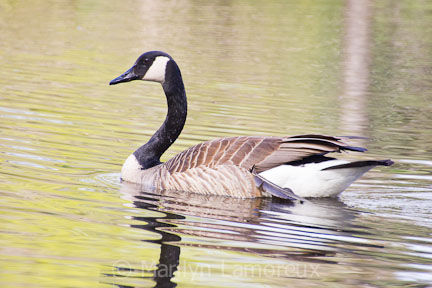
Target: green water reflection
[[250, 68]]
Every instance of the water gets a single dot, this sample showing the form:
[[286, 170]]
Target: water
[[250, 68]]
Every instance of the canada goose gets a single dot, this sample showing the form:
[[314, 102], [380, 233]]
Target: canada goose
[[244, 166]]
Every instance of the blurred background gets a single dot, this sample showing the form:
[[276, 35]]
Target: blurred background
[[250, 68]]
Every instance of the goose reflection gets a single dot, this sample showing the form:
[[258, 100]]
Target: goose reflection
[[312, 232]]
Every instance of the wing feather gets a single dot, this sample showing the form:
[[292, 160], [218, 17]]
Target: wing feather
[[262, 153]]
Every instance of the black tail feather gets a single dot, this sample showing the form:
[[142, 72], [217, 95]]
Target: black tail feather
[[355, 164], [354, 148]]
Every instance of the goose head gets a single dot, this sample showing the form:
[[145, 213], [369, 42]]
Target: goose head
[[150, 66]]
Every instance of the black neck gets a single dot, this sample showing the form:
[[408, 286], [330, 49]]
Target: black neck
[[149, 154]]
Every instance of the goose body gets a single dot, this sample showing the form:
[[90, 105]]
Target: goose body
[[244, 166]]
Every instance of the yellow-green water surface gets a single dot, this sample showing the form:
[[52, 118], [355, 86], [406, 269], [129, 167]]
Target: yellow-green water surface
[[250, 68]]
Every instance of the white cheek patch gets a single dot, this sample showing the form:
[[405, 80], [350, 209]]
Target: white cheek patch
[[156, 72]]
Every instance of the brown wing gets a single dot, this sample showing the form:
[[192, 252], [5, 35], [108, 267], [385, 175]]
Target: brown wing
[[260, 153]]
